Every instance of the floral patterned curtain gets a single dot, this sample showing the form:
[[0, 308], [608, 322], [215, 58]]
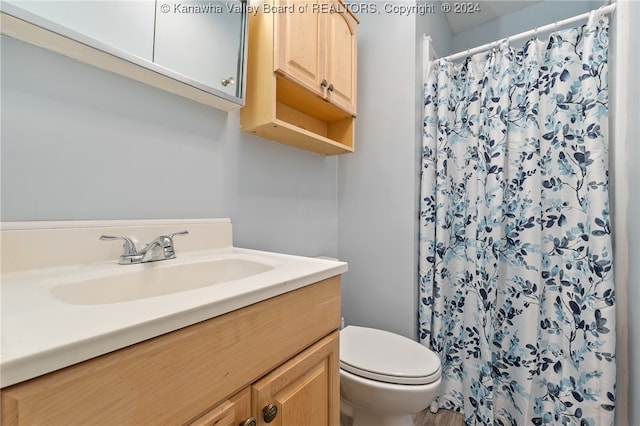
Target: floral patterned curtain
[[516, 279]]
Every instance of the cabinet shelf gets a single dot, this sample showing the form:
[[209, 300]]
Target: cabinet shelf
[[280, 130], [306, 122]]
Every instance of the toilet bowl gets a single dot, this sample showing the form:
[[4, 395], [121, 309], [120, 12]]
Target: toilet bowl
[[385, 378]]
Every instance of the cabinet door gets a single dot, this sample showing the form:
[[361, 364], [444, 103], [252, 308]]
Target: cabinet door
[[341, 55], [232, 412], [200, 40], [304, 390], [298, 43]]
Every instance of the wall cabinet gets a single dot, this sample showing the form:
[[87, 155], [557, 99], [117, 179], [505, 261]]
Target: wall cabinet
[[194, 48], [301, 75], [127, 26], [318, 50], [277, 357], [206, 47]]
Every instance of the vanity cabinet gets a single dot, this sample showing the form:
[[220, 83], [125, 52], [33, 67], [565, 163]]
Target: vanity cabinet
[[279, 356], [301, 75], [301, 391], [232, 412]]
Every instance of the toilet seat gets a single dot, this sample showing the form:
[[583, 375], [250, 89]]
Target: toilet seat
[[387, 357]]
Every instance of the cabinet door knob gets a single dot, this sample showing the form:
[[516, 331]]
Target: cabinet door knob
[[324, 83], [251, 421], [270, 412], [227, 81], [330, 88]]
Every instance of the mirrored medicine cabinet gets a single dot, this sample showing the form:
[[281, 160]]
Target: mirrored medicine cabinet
[[193, 48]]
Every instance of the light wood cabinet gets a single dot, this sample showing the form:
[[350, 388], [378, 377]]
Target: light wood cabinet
[[340, 58], [316, 47], [222, 372], [299, 47], [301, 75], [232, 412], [301, 389]]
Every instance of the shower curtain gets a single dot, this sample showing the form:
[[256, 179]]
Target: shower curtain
[[516, 279]]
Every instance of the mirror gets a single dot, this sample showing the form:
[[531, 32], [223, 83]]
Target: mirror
[[213, 28], [96, 20], [199, 43]]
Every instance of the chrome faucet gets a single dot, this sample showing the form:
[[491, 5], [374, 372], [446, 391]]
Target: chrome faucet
[[159, 249]]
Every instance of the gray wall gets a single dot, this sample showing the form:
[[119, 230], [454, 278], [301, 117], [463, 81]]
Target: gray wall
[[633, 283], [625, 175], [81, 143], [378, 186]]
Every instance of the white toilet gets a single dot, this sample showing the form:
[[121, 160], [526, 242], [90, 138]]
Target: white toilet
[[385, 378]]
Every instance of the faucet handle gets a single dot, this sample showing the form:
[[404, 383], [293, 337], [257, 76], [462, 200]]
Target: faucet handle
[[169, 251], [129, 246], [178, 233]]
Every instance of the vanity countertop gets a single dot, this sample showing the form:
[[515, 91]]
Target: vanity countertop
[[42, 333]]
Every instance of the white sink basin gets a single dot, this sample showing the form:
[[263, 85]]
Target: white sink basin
[[156, 279], [66, 305]]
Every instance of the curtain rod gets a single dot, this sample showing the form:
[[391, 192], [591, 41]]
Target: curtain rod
[[554, 26]]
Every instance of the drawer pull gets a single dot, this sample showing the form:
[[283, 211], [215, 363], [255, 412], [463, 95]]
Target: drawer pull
[[270, 412]]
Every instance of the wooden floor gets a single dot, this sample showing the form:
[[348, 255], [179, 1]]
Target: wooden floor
[[443, 418], [427, 418]]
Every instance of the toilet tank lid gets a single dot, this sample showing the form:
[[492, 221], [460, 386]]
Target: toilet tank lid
[[387, 354]]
